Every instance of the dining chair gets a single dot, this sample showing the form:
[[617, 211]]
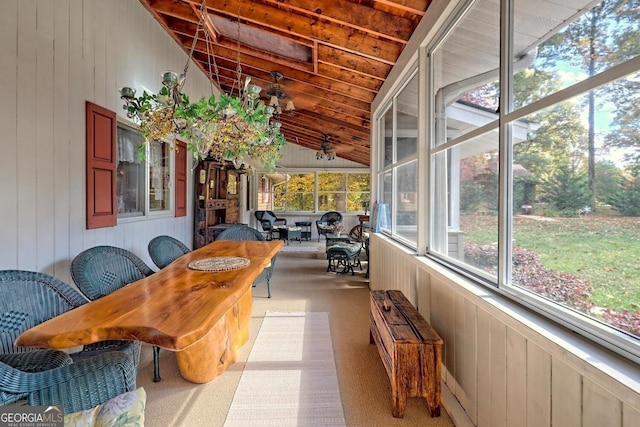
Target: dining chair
[[163, 250], [100, 270], [243, 232], [76, 381]]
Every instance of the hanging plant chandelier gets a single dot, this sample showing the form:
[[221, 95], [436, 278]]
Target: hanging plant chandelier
[[227, 128]]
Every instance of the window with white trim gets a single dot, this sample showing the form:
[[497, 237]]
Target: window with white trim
[[314, 191], [398, 162], [533, 160], [143, 184], [527, 194]]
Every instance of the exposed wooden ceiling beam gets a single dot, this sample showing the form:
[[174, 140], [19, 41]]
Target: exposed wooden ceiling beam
[[351, 46]]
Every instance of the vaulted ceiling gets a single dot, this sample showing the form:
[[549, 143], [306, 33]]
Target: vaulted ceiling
[[334, 56]]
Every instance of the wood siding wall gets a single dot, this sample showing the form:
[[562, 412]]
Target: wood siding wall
[[295, 156], [505, 366], [57, 55]]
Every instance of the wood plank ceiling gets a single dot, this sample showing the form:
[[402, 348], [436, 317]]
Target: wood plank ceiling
[[333, 54]]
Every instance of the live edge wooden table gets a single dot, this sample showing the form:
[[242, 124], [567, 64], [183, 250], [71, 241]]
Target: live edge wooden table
[[203, 316]]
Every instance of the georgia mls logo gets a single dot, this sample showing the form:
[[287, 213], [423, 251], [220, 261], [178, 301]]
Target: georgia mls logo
[[53, 408], [31, 416]]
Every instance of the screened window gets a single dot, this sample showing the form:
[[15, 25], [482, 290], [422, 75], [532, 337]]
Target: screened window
[[536, 193], [359, 191], [298, 193], [332, 192], [314, 191], [398, 172]]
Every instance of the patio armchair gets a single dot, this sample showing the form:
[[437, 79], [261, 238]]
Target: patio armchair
[[243, 232], [100, 270], [76, 381], [163, 250], [326, 223], [268, 220]]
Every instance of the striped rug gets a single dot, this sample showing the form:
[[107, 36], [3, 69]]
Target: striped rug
[[290, 376]]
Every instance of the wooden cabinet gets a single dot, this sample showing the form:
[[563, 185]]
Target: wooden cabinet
[[216, 200]]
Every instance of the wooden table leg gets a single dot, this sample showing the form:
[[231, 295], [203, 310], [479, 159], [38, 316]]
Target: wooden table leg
[[210, 356], [244, 307]]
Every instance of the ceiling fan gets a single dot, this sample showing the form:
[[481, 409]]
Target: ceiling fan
[[328, 150], [276, 92]]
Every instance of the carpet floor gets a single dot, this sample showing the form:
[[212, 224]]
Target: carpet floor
[[290, 377], [295, 247], [300, 283]]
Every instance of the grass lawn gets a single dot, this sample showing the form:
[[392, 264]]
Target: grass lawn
[[603, 250]]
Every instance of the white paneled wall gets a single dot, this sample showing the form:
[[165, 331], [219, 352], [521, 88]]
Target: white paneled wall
[[57, 55], [295, 156], [505, 366]]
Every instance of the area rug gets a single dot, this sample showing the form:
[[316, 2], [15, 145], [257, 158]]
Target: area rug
[[290, 377], [293, 247]]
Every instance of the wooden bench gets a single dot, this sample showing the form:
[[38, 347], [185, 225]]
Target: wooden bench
[[410, 349]]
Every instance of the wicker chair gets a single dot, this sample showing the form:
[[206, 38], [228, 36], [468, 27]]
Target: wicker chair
[[163, 250], [267, 220], [243, 232], [77, 381], [100, 270], [326, 222]]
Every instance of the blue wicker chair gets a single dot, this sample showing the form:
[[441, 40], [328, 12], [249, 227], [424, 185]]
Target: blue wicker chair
[[243, 232], [163, 250], [326, 222], [77, 381], [100, 270], [267, 220]]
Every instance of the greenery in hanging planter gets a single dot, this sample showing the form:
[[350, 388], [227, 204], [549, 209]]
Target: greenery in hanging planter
[[268, 150], [154, 111], [228, 129]]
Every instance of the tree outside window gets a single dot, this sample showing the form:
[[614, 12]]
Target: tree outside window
[[570, 224], [296, 192]]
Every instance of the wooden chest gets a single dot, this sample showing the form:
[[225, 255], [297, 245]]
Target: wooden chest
[[411, 350]]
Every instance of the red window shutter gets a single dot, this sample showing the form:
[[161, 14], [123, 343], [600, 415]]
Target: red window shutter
[[181, 179], [101, 167]]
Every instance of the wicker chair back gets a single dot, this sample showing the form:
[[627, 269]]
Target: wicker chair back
[[100, 270], [243, 232], [163, 250], [77, 381]]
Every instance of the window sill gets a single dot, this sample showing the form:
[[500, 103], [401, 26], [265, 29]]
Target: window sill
[[554, 338], [150, 216]]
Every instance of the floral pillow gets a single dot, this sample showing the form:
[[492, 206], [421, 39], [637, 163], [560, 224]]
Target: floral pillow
[[124, 410]]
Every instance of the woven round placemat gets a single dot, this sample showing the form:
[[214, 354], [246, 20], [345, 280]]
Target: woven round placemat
[[219, 263]]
